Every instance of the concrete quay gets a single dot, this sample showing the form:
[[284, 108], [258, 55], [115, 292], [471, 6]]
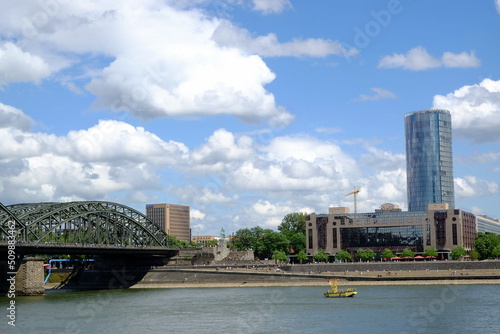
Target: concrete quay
[[447, 272]]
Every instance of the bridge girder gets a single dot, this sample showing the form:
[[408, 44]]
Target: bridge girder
[[89, 222]]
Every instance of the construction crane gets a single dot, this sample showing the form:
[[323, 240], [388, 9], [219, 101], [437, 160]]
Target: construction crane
[[355, 193]]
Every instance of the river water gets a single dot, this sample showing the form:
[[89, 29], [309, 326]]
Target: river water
[[376, 309]]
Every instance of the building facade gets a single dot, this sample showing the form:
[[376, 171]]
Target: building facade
[[439, 226], [173, 219], [429, 159], [487, 224], [202, 239]]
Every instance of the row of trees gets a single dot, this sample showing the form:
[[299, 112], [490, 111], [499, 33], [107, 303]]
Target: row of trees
[[267, 243], [366, 254]]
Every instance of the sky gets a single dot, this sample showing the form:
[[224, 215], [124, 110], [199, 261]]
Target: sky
[[244, 110]]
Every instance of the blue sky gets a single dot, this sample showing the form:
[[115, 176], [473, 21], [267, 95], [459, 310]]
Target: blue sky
[[245, 110]]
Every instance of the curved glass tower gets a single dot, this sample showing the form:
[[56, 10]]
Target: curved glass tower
[[429, 159]]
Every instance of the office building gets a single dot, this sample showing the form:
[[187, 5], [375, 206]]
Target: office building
[[439, 226], [429, 159], [173, 219], [487, 224]]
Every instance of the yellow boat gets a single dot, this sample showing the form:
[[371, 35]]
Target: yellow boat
[[334, 292]]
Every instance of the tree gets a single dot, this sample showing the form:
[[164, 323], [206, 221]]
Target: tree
[[293, 227], [496, 251], [273, 241], [474, 254], [431, 252], [407, 253], [174, 242], [321, 255], [210, 243], [301, 256], [485, 243], [457, 253], [263, 241], [279, 256], [365, 254], [293, 223], [343, 255], [297, 242], [246, 238], [387, 254]]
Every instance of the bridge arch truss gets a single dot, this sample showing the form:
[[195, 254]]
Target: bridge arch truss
[[85, 222]]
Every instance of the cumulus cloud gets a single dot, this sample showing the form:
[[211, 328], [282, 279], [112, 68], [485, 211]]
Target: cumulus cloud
[[229, 176], [300, 164], [115, 141], [17, 65], [155, 60], [471, 186], [475, 110], [109, 157], [222, 146], [418, 59], [14, 118], [271, 6], [228, 35], [497, 5], [379, 94]]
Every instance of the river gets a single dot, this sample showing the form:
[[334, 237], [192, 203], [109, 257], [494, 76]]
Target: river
[[376, 309]]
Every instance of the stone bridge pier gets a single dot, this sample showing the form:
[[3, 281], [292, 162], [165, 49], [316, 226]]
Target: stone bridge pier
[[28, 281], [30, 277]]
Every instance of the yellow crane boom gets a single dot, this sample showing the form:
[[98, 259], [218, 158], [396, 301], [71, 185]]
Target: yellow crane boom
[[355, 193]]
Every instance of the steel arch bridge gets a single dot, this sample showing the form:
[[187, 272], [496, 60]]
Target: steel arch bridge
[[87, 223]]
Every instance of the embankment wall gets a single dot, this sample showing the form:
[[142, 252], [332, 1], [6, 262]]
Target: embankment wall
[[393, 266], [158, 276]]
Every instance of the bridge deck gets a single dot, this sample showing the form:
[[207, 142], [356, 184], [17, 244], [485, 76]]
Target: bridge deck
[[79, 249]]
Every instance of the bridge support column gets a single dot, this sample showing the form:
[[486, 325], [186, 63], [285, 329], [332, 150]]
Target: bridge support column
[[29, 277]]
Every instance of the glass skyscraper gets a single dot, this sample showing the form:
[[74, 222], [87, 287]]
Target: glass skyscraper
[[429, 159]]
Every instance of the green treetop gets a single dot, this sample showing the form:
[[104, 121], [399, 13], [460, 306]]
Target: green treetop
[[343, 255], [457, 253], [387, 254]]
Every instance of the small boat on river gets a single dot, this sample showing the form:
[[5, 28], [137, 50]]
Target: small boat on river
[[334, 292]]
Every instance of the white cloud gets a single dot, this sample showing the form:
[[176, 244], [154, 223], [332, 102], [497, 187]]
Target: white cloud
[[471, 186], [300, 164], [222, 146], [17, 65], [87, 164], [380, 94], [115, 141], [463, 59], [228, 176], [475, 110], [418, 59], [159, 61], [270, 215], [228, 35], [271, 6], [14, 118], [497, 5]]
